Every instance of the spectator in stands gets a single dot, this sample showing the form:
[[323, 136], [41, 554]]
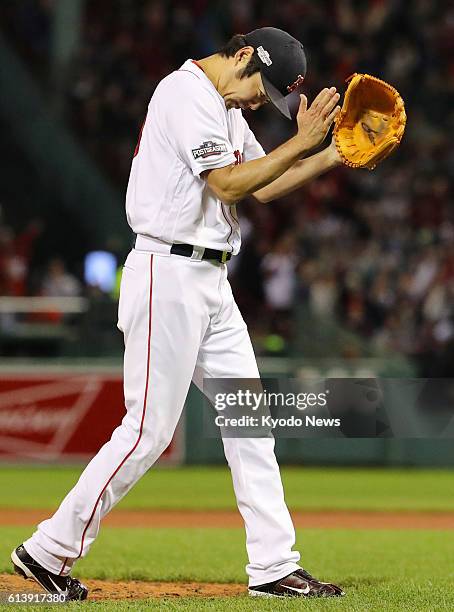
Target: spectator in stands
[[279, 273], [16, 252], [58, 282]]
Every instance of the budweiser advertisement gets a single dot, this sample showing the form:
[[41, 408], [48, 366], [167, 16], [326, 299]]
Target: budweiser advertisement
[[63, 413]]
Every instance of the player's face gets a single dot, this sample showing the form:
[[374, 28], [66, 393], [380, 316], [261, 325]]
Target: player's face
[[246, 93]]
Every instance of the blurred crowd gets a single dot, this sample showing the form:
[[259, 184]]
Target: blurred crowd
[[19, 274], [372, 250]]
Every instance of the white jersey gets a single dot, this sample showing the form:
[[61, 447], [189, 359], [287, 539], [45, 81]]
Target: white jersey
[[187, 130]]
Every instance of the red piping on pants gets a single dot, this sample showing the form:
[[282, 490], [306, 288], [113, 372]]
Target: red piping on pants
[[63, 566]]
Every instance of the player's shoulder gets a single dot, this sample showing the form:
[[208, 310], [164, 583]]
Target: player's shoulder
[[188, 81]]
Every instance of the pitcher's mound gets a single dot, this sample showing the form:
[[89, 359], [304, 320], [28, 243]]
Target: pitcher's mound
[[133, 589]]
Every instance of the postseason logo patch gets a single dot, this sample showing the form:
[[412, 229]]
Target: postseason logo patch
[[208, 149]]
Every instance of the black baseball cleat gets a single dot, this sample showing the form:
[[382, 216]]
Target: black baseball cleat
[[297, 584], [27, 567]]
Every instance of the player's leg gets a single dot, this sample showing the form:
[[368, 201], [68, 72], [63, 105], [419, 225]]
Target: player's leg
[[226, 352], [162, 324]]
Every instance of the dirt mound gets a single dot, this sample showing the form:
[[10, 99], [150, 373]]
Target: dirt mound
[[133, 589], [340, 519]]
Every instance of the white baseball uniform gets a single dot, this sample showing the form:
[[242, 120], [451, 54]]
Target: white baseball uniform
[[180, 323]]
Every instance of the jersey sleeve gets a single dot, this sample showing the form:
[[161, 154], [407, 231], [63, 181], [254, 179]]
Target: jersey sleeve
[[199, 130], [252, 148]]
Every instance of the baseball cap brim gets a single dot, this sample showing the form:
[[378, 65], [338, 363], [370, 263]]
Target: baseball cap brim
[[276, 98]]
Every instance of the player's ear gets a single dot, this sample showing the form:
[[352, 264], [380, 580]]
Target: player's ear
[[243, 55]]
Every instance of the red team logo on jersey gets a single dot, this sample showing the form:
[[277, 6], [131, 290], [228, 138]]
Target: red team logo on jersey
[[238, 158]]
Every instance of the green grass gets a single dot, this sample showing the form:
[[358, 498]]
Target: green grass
[[211, 488], [399, 571], [424, 601], [382, 570]]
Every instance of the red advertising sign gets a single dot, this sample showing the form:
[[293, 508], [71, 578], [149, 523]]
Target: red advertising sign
[[63, 414]]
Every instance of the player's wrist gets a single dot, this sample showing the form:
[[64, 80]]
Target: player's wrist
[[301, 145], [332, 157]]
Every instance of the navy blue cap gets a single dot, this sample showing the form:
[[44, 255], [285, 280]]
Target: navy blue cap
[[282, 64]]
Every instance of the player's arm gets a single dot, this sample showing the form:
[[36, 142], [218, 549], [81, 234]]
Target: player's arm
[[232, 183], [303, 171]]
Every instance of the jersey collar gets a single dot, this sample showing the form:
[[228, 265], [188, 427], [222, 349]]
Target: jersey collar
[[196, 68]]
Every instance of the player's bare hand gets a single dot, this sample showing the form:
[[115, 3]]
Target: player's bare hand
[[315, 121]]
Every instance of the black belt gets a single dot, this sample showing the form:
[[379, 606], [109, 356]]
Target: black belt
[[187, 250]]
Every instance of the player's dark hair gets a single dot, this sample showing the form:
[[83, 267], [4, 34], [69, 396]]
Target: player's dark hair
[[236, 43]]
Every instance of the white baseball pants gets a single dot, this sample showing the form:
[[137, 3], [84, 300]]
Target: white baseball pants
[[180, 323]]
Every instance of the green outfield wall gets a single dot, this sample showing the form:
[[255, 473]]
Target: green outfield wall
[[380, 451]]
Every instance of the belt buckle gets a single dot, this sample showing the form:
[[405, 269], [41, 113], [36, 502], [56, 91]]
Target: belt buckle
[[224, 256], [197, 253]]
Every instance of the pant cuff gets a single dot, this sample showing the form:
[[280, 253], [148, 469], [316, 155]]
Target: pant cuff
[[273, 576], [56, 565]]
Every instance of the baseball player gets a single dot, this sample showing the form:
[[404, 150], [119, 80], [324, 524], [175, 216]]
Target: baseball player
[[195, 159]]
